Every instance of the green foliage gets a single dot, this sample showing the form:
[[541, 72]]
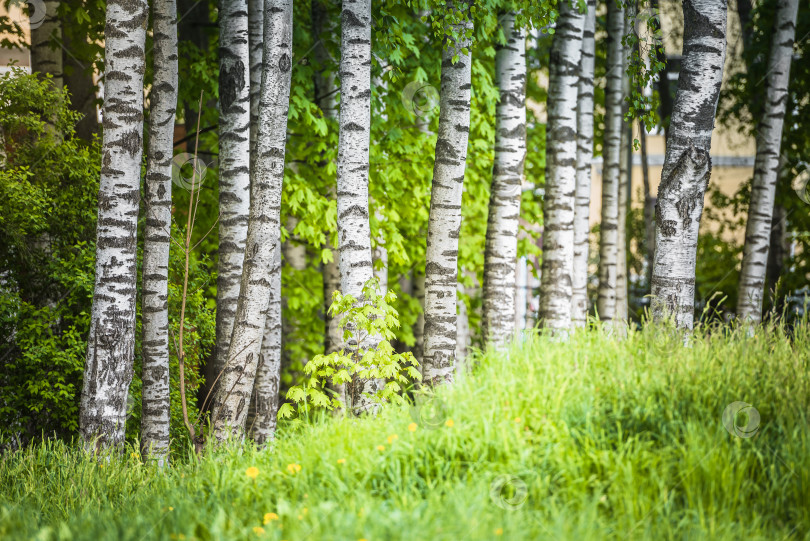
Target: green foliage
[[367, 332], [48, 189], [603, 439]]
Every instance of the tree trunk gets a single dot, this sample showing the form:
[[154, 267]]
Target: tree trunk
[[268, 371], [561, 170], [111, 343], [323, 30], [234, 171], [157, 235], [192, 27], [444, 219], [354, 229], [687, 164], [611, 156], [46, 44], [294, 256], [579, 304], [766, 168], [625, 172], [79, 81], [500, 255], [255, 55], [649, 208], [233, 395]]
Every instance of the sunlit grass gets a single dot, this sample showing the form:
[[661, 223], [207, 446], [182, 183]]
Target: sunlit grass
[[595, 438]]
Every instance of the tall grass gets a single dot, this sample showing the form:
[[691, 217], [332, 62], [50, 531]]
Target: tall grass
[[594, 438]]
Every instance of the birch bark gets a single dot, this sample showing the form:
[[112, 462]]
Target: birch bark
[[111, 342], [766, 167], [500, 255], [158, 202], [233, 395], [561, 170], [234, 171], [611, 153], [354, 230], [579, 290], [268, 371], [687, 164], [444, 219]]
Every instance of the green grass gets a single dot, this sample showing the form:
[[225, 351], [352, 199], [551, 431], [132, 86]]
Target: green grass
[[590, 439]]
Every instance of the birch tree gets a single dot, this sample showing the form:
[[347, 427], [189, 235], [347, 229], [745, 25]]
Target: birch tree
[[233, 395], [46, 37], [444, 219], [500, 255], [268, 370], [111, 342], [234, 171], [561, 170], [323, 30], [262, 421], [687, 164], [354, 229], [579, 286], [766, 167], [157, 240], [611, 155]]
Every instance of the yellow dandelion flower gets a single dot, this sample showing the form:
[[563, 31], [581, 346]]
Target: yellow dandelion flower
[[392, 437], [300, 517], [412, 427], [341, 461], [269, 517], [517, 419], [252, 472], [449, 423], [306, 510], [171, 508], [381, 447], [362, 539], [499, 531], [293, 468], [258, 530]]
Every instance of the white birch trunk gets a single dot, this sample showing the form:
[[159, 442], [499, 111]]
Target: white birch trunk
[[611, 157], [766, 168], [579, 290], [625, 170], [233, 395], [687, 164], [234, 171], [255, 55], [157, 240], [561, 171], [111, 342], [46, 41], [354, 229], [444, 220], [500, 255], [268, 371]]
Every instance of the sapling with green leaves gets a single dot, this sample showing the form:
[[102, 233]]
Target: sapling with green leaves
[[368, 330]]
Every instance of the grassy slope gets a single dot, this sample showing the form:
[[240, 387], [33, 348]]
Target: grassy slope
[[592, 439]]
